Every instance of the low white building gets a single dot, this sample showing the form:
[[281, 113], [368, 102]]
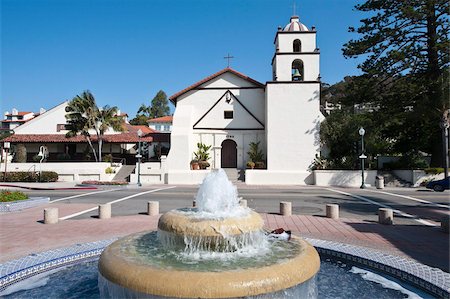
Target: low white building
[[49, 130], [228, 110]]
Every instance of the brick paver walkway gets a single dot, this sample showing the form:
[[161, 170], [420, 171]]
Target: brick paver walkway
[[23, 233]]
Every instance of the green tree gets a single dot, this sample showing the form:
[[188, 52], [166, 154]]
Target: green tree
[[407, 41], [160, 105], [84, 117], [142, 116]]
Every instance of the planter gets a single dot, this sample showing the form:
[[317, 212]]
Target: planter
[[195, 166], [18, 205]]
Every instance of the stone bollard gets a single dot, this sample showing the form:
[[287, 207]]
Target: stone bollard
[[286, 208], [104, 211], [153, 208], [444, 223], [385, 216], [50, 215], [332, 211], [243, 203]]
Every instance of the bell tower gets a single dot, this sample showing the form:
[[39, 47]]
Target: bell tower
[[293, 114], [296, 56]]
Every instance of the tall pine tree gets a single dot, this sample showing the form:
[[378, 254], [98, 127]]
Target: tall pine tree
[[406, 46]]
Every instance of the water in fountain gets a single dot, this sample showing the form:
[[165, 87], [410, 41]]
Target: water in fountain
[[218, 250], [218, 197]]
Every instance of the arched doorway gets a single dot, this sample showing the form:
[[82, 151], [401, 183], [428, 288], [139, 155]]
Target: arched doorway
[[229, 154]]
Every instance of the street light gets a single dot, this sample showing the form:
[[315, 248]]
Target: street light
[[139, 156], [362, 157], [6, 146], [444, 124]]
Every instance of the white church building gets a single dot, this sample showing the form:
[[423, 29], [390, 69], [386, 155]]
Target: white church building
[[228, 110]]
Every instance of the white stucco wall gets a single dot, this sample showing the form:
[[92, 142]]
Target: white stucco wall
[[344, 178], [45, 123], [293, 120], [311, 69], [212, 128], [285, 41]]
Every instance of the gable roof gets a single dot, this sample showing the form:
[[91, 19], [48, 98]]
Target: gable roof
[[174, 97], [163, 119]]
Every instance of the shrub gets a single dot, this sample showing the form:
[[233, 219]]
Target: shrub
[[23, 176], [49, 176], [6, 196], [109, 170], [434, 170], [107, 158]]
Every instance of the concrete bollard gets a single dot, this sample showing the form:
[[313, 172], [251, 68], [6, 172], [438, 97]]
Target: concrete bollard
[[444, 223], [332, 211], [50, 215], [104, 211], [153, 208], [286, 208], [243, 203], [385, 216]]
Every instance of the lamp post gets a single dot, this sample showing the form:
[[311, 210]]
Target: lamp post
[[362, 157], [139, 156], [6, 146], [444, 126]]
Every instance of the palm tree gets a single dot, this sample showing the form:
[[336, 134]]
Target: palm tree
[[108, 118], [83, 117]]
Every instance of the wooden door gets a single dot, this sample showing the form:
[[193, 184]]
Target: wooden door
[[229, 154]]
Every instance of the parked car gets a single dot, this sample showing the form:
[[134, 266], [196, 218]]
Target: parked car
[[439, 185]]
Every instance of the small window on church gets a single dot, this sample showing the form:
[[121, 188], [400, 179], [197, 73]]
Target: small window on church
[[228, 114], [297, 46]]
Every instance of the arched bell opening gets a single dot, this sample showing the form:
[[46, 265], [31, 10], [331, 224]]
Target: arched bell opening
[[297, 70]]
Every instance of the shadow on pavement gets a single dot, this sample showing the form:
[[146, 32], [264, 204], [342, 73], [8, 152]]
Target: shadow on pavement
[[428, 245]]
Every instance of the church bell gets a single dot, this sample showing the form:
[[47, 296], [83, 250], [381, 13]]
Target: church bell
[[296, 76]]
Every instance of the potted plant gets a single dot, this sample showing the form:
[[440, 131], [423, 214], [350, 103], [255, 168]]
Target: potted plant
[[256, 156], [250, 164], [202, 155], [195, 165]]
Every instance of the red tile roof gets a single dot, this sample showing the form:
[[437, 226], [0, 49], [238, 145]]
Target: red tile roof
[[20, 113], [174, 97], [129, 136], [163, 119]]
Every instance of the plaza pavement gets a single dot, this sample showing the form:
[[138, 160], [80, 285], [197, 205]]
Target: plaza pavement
[[23, 233]]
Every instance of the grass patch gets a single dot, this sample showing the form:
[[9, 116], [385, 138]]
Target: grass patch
[[7, 196]]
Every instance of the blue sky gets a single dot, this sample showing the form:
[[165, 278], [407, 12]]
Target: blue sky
[[124, 52]]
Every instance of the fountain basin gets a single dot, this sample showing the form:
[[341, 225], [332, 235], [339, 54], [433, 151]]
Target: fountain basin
[[119, 269], [180, 222]]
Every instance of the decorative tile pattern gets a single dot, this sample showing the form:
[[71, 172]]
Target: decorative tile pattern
[[22, 204], [432, 280], [17, 270]]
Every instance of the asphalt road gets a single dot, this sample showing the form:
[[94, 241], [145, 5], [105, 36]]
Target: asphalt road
[[414, 206]]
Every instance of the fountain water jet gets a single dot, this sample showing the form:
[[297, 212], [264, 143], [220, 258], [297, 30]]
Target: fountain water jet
[[218, 250]]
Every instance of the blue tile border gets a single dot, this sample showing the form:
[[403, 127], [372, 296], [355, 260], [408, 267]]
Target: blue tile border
[[22, 204], [432, 280]]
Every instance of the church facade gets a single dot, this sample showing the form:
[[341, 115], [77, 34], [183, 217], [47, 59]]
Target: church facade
[[228, 110]]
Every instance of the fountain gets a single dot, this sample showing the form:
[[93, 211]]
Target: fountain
[[217, 250]]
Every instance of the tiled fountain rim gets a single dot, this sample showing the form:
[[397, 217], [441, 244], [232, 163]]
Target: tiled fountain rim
[[431, 279]]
